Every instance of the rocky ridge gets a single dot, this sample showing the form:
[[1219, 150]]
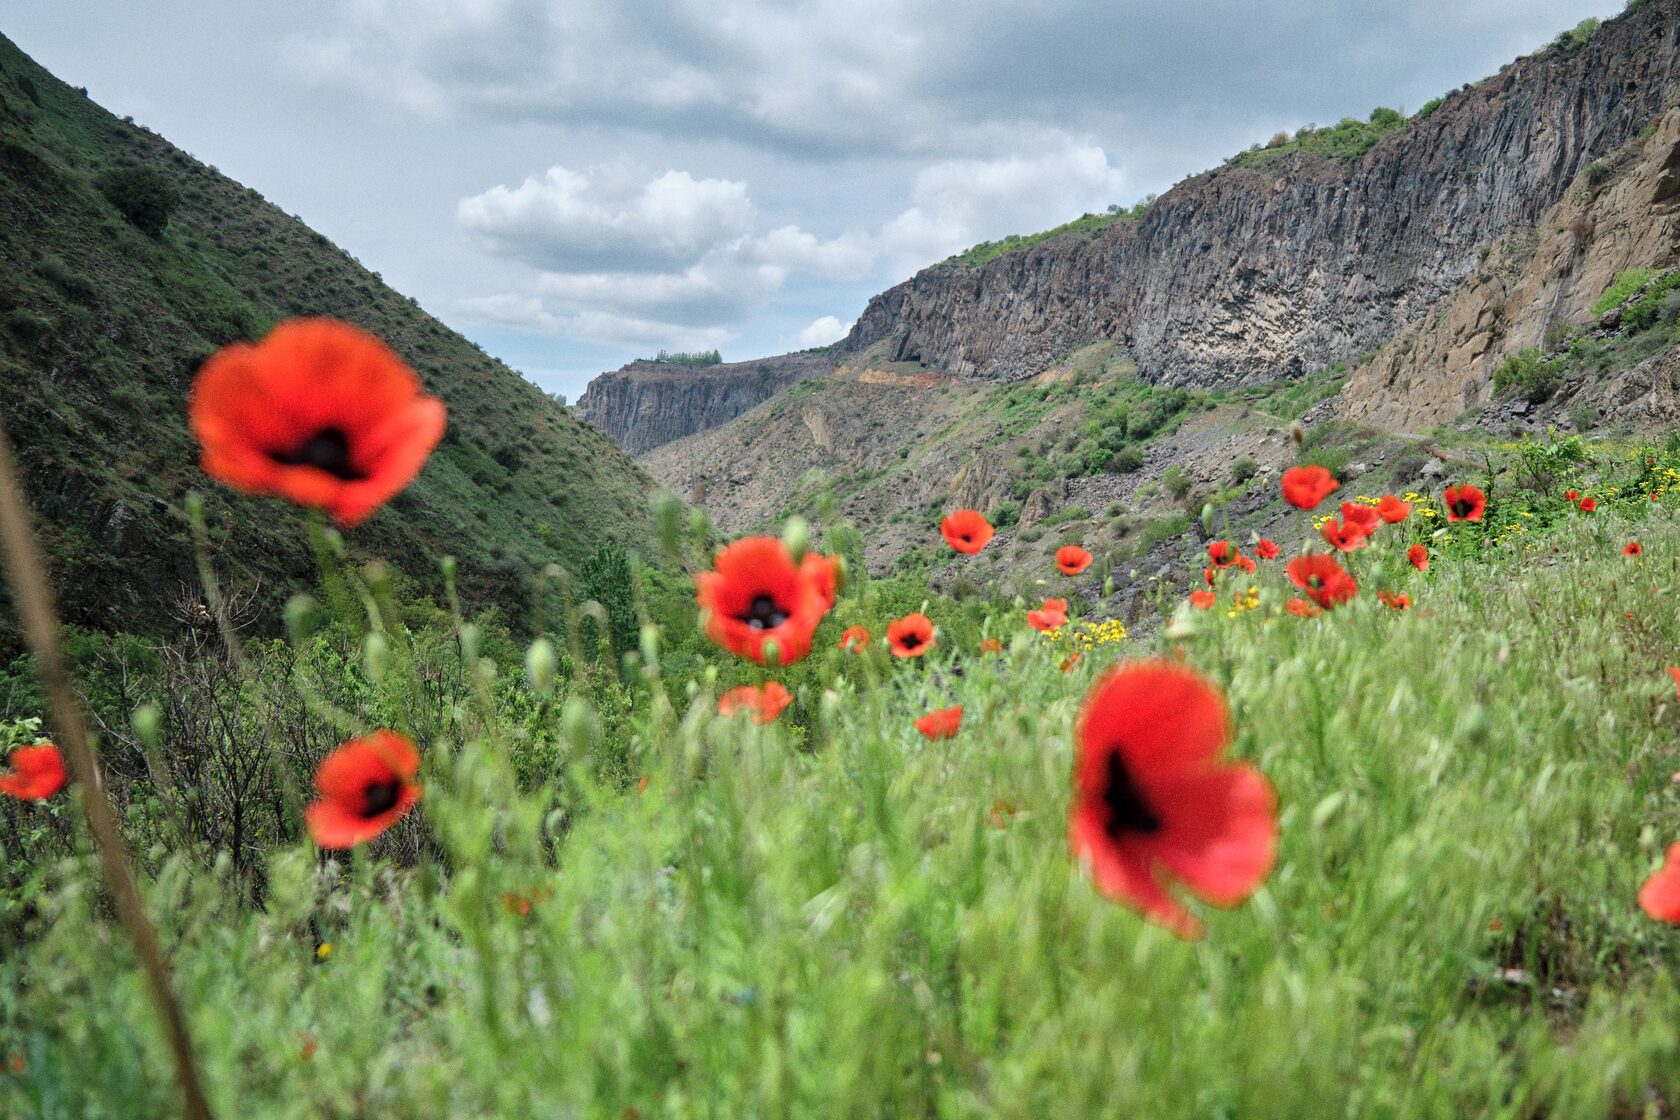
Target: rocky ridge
[[1247, 274], [645, 404]]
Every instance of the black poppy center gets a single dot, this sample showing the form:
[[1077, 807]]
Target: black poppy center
[[910, 641], [1127, 812], [380, 797], [764, 614], [327, 450], [1462, 508]]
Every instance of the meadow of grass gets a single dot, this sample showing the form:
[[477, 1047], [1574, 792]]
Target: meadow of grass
[[613, 902]]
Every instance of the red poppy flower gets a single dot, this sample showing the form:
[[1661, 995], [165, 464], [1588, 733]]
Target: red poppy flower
[[366, 786], [855, 639], [1344, 537], [966, 530], [756, 596], [1364, 518], [991, 645], [1154, 804], [1072, 559], [1632, 548], [1660, 896], [1394, 602], [1674, 672], [1325, 581], [1055, 605], [35, 774], [319, 412], [1393, 510], [1046, 619], [764, 703], [1588, 504], [1419, 556], [1305, 487], [1465, 503], [1300, 608], [1246, 563], [824, 574], [1202, 600], [941, 724], [910, 636], [1221, 553], [1208, 574], [1572, 495], [1267, 550]]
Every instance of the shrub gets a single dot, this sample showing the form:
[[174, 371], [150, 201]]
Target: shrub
[[1599, 172], [1648, 310], [1527, 372], [1177, 480], [142, 196], [1625, 284], [1244, 469], [1429, 107], [1005, 514], [1126, 461]]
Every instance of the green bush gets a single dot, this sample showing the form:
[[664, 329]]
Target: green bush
[[1244, 469], [1177, 480], [1528, 372], [142, 196]]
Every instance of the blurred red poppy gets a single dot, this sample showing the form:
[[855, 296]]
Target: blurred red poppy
[[366, 786], [764, 703], [1326, 582], [1660, 896], [991, 645], [1632, 548], [1588, 504], [966, 530], [910, 636], [1221, 553], [1392, 509], [319, 412], [1572, 495], [1419, 556], [1344, 537], [1155, 805], [33, 773], [1465, 503], [1302, 609], [1305, 487], [1392, 601], [1072, 559], [1267, 550], [941, 724], [756, 601], [1364, 518], [1202, 600], [855, 639], [1045, 619]]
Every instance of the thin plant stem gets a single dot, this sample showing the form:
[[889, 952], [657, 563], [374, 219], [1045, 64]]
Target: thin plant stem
[[27, 573]]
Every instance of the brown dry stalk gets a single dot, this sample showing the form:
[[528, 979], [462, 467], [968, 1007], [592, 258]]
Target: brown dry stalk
[[27, 573]]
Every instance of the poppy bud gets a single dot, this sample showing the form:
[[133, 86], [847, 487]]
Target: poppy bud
[[1298, 434], [541, 662], [579, 726], [469, 641], [447, 566], [301, 618], [796, 536], [195, 507], [376, 655], [1207, 516], [649, 642], [147, 721]]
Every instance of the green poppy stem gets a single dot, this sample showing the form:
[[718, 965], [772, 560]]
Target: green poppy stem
[[27, 574]]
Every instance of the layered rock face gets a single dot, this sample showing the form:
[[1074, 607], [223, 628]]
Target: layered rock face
[[646, 404], [1248, 274], [1534, 280]]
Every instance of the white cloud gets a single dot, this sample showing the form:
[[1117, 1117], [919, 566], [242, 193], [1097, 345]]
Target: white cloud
[[823, 331], [570, 220], [957, 203]]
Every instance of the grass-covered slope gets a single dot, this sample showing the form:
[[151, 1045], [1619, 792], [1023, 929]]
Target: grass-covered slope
[[832, 916], [102, 326]]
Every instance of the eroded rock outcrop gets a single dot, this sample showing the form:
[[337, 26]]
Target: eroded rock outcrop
[[1534, 280], [646, 404], [1250, 274]]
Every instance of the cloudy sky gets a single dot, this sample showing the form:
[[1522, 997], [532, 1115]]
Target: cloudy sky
[[575, 183]]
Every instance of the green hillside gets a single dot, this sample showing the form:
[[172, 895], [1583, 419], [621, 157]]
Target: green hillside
[[102, 325]]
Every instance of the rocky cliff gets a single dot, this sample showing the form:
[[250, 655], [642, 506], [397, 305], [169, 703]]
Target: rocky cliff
[[1534, 285], [646, 404], [1245, 274]]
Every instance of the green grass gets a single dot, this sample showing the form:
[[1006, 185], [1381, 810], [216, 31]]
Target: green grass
[[833, 917], [1086, 225], [1626, 283]]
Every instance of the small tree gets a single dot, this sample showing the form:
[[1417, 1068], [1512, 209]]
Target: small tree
[[142, 196]]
